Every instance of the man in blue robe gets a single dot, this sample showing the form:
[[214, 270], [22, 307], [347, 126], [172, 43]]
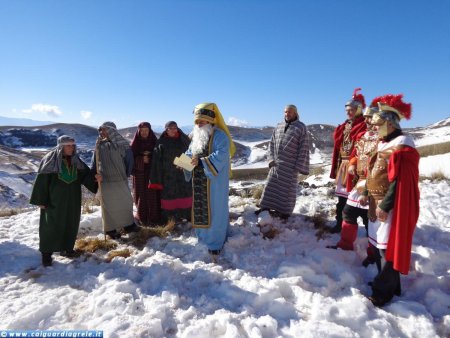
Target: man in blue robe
[[211, 149]]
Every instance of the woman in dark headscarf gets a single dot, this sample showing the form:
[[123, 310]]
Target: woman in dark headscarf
[[176, 193], [147, 201]]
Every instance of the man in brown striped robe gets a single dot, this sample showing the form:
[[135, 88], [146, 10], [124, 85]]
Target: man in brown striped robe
[[288, 156]]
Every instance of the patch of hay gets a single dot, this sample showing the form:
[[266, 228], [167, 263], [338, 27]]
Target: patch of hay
[[90, 245], [256, 192], [271, 233], [141, 238], [319, 220], [118, 253], [9, 212]]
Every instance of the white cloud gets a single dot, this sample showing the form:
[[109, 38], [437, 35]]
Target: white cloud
[[233, 121], [52, 111], [85, 114]]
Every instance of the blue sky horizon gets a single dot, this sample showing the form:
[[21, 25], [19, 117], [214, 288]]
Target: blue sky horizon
[[130, 61]]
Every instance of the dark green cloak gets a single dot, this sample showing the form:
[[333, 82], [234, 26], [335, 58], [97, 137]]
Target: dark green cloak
[[61, 194]]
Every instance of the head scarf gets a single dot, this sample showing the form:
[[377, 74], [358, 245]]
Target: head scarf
[[140, 144], [52, 161], [170, 123], [210, 112], [114, 137]]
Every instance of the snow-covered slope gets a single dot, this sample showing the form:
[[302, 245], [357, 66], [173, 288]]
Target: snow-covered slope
[[436, 133], [289, 286], [17, 173]]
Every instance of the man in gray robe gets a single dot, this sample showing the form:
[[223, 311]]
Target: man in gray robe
[[288, 156], [113, 160]]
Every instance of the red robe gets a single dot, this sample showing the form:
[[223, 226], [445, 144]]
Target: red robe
[[358, 129], [404, 168]]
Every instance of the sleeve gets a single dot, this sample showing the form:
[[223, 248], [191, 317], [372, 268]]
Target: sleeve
[[219, 159], [41, 190], [93, 165], [337, 138], [129, 161], [188, 174], [87, 178], [389, 199], [302, 161]]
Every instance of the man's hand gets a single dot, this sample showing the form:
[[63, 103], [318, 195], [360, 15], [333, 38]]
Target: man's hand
[[194, 161], [381, 214], [363, 200], [146, 159], [351, 169], [98, 178]]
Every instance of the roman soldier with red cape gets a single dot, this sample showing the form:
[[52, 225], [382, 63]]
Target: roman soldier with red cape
[[392, 185], [345, 137]]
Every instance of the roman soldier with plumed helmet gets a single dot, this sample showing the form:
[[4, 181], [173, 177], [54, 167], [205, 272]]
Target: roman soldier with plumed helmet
[[392, 184], [345, 136], [365, 148]]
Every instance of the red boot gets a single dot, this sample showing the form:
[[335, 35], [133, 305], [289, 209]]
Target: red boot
[[349, 233]]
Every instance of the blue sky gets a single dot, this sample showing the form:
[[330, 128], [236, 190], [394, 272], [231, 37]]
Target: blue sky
[[130, 61]]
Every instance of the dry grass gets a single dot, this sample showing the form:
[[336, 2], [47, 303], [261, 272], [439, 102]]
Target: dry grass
[[256, 191], [319, 220], [91, 245], [438, 176], [88, 201], [249, 174], [435, 177], [141, 238], [118, 253], [313, 170], [271, 233], [9, 212], [434, 149]]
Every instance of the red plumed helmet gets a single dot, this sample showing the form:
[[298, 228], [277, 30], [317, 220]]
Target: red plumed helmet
[[359, 97], [394, 103]]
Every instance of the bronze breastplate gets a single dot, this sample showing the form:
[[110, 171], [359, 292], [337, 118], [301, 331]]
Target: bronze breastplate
[[366, 148], [377, 178]]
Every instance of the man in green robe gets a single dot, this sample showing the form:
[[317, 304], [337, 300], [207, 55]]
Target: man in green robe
[[57, 191]]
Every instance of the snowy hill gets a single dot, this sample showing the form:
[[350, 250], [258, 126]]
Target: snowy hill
[[436, 133], [17, 174]]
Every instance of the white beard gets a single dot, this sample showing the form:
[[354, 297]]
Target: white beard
[[200, 138]]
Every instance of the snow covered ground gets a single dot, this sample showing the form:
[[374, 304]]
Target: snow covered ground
[[435, 164], [289, 286]]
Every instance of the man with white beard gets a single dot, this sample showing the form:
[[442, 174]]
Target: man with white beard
[[211, 149]]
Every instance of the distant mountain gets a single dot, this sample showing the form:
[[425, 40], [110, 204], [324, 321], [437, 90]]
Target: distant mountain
[[22, 147], [21, 122]]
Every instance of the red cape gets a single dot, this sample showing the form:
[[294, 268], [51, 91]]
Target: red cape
[[404, 168], [358, 129]]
